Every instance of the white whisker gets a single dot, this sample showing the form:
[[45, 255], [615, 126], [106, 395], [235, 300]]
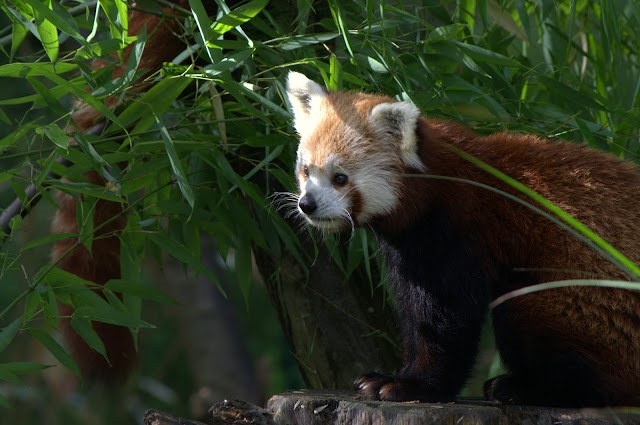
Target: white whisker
[[349, 219]]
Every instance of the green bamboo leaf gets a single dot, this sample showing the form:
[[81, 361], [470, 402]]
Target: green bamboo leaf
[[59, 18], [155, 101], [238, 16], [45, 94], [276, 109], [47, 31], [182, 254], [447, 32], [55, 349], [204, 25], [139, 290], [75, 88], [89, 150], [23, 368], [129, 76], [8, 375], [85, 210], [123, 16], [583, 99], [335, 74], [243, 268], [31, 306], [88, 334], [110, 315], [503, 18], [228, 63], [336, 12], [4, 402], [45, 240], [88, 189], [51, 309], [116, 11], [298, 41], [483, 55], [633, 286], [631, 268], [5, 118], [57, 278], [365, 252], [176, 165], [54, 133], [19, 32], [36, 69], [9, 332]]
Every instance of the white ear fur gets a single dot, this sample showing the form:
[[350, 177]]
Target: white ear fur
[[302, 92], [398, 122]]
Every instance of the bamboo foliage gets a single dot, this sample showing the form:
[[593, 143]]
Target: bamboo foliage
[[208, 145]]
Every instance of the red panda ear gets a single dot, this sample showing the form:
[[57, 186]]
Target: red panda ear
[[398, 122], [302, 92]]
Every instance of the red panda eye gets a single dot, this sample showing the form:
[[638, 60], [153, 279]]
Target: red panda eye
[[340, 179], [305, 171]]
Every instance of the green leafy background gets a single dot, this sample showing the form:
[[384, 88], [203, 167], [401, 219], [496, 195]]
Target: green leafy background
[[211, 142]]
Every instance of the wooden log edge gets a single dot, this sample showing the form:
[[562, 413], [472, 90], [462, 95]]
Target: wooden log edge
[[309, 407]]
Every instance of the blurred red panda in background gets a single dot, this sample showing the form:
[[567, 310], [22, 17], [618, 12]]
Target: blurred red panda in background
[[103, 262]]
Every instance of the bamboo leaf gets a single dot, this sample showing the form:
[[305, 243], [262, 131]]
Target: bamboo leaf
[[239, 16], [110, 315], [155, 101], [47, 31], [139, 290], [4, 402], [296, 42], [59, 19], [55, 134], [228, 63], [9, 332], [18, 34], [36, 69], [31, 306], [88, 334], [45, 94], [55, 349], [483, 55], [176, 165]]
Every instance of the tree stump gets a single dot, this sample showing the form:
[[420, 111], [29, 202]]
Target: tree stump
[[323, 408], [306, 407]]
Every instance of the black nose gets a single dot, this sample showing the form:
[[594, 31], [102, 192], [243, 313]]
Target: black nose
[[307, 204]]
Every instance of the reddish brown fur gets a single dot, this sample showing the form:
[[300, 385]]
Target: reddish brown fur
[[601, 325], [103, 263]]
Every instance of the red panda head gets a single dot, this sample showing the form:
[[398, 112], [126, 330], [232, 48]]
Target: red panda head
[[353, 151]]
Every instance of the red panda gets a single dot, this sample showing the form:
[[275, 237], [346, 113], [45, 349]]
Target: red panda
[[103, 262], [451, 247]]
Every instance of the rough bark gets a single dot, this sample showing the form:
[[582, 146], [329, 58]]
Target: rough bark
[[333, 408], [309, 407], [337, 328]]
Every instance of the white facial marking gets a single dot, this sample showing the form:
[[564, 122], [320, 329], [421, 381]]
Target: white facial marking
[[373, 166], [332, 204]]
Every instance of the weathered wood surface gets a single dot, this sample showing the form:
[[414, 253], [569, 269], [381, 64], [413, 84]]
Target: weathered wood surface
[[228, 412], [333, 408], [323, 408]]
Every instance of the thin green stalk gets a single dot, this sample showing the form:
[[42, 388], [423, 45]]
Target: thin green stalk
[[632, 270]]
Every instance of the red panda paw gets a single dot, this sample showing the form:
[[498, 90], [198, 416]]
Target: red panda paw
[[501, 389], [375, 386]]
